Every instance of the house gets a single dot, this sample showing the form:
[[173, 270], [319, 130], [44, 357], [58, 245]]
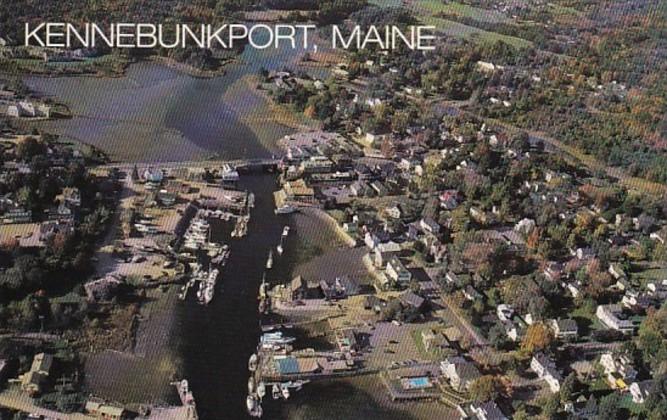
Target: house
[[298, 191], [434, 341], [429, 225], [33, 381], [299, 289], [72, 197], [166, 198], [616, 271], [49, 229], [384, 252], [460, 372], [505, 312], [17, 215], [487, 410], [102, 290], [393, 211], [657, 290], [153, 175], [102, 410], [412, 300], [374, 303], [28, 109], [471, 293], [449, 199], [359, 188], [339, 288], [553, 271], [613, 318], [346, 341], [514, 331], [565, 329], [397, 272], [619, 369], [379, 188], [429, 289], [641, 390], [545, 368]]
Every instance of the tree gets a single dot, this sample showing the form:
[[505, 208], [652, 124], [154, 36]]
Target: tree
[[538, 338], [610, 407], [485, 388], [498, 337], [550, 404], [29, 147], [568, 387]]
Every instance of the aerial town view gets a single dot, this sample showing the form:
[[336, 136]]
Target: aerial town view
[[335, 209]]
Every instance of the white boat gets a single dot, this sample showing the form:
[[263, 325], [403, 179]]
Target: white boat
[[286, 209], [279, 248], [286, 231], [269, 262], [251, 385], [284, 389], [275, 338], [208, 295], [250, 402], [261, 390], [252, 362], [275, 391], [262, 287], [254, 409]]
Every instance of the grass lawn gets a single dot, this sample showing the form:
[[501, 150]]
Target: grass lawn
[[451, 28], [429, 12], [463, 10], [650, 275]]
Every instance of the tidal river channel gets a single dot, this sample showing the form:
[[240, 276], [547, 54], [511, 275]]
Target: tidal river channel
[[155, 113]]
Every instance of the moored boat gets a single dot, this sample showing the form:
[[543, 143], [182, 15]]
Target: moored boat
[[252, 363]]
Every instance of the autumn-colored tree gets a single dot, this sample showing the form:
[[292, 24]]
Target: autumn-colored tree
[[485, 388], [538, 338]]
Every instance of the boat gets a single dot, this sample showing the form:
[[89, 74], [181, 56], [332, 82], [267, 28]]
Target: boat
[[279, 248], [263, 306], [286, 230], [284, 389], [286, 209], [208, 295], [275, 338], [269, 262], [262, 288], [275, 391], [251, 384], [252, 362], [261, 390], [254, 409]]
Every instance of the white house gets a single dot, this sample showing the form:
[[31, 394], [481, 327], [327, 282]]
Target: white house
[[612, 317], [545, 368], [397, 272]]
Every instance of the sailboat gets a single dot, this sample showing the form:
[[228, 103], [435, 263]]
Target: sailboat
[[285, 390], [252, 363], [261, 390], [269, 262]]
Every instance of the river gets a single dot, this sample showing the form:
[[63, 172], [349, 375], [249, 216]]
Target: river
[[155, 113]]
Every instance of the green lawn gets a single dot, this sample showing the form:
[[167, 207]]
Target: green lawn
[[459, 30], [463, 10]]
